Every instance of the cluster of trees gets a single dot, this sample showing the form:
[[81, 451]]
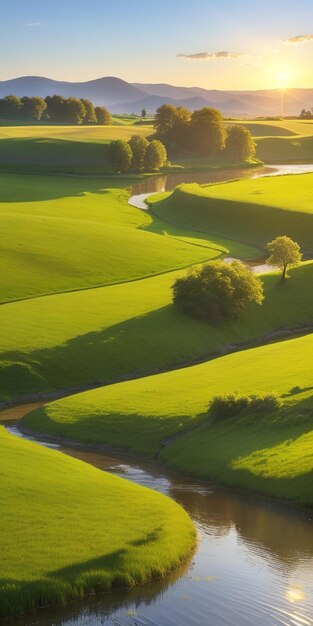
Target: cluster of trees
[[54, 108], [202, 133], [306, 115], [137, 155], [221, 290]]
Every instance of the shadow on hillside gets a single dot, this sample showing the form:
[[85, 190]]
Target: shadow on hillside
[[50, 157]]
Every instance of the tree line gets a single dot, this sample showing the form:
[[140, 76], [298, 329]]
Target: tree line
[[137, 155], [55, 109], [202, 133]]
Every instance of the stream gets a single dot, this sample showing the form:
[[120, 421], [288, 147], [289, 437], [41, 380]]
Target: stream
[[253, 565], [254, 562]]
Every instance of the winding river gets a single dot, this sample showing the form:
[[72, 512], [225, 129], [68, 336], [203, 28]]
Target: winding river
[[253, 565], [254, 561]]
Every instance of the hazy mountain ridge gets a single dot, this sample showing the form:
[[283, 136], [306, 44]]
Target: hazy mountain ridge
[[123, 97]]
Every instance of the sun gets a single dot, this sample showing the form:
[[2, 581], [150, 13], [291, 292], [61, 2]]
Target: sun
[[283, 78]]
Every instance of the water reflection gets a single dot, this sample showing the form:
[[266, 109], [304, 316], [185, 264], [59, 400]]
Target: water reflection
[[159, 184], [253, 565]]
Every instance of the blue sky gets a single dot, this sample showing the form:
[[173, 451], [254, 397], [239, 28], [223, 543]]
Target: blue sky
[[243, 44]]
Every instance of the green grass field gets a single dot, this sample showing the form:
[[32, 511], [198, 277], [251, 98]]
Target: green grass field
[[278, 205], [270, 453], [63, 233], [102, 335], [106, 531]]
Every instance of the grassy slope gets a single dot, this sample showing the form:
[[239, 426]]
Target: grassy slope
[[69, 149], [278, 205], [107, 531], [277, 128], [285, 149], [269, 453], [67, 233], [107, 334]]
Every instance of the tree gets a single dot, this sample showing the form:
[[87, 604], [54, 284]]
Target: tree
[[155, 156], [207, 132], [103, 116], [10, 107], [143, 114], [239, 145], [90, 116], [74, 111], [284, 252], [172, 126], [33, 108], [120, 155], [217, 290], [56, 106], [139, 147]]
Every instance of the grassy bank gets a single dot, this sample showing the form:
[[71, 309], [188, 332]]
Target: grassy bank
[[68, 529], [271, 453], [102, 335], [278, 205]]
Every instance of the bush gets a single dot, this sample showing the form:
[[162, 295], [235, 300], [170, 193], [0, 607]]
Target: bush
[[217, 290], [226, 406]]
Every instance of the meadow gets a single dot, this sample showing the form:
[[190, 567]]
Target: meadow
[[108, 532], [84, 149], [256, 451], [93, 337], [278, 205], [64, 233]]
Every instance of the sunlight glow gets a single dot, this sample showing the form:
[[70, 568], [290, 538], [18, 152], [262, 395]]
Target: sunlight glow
[[295, 594]]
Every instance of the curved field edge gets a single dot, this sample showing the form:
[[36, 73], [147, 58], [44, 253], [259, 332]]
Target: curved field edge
[[90, 338], [278, 205], [63, 234], [68, 529], [267, 452]]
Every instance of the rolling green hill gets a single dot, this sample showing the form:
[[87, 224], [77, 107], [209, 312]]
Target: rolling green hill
[[98, 336], [271, 453], [253, 211], [108, 531], [63, 233]]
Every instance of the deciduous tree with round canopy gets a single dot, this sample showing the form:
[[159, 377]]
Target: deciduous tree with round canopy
[[139, 147], [156, 155], [284, 252], [218, 290], [239, 145], [120, 156]]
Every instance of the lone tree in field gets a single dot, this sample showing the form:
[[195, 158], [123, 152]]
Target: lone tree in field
[[216, 291], [284, 252], [120, 156]]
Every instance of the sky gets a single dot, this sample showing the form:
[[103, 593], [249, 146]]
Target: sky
[[220, 44]]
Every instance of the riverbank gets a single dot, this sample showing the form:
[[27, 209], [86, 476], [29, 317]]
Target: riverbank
[[265, 450], [126, 534]]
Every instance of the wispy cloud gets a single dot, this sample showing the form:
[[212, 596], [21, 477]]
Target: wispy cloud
[[33, 24], [299, 39], [205, 56]]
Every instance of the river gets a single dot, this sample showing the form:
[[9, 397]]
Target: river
[[254, 562], [253, 565], [141, 191]]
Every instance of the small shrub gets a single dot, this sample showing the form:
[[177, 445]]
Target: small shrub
[[229, 405], [226, 406], [267, 403]]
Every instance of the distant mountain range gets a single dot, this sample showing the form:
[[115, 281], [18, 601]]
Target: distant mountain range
[[120, 96]]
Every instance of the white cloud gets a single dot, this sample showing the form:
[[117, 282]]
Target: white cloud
[[204, 56], [299, 39], [32, 24]]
